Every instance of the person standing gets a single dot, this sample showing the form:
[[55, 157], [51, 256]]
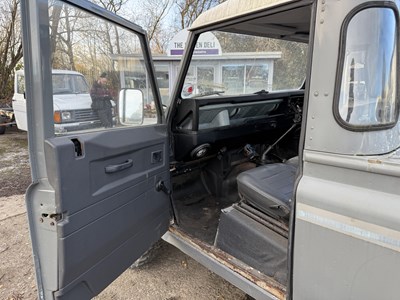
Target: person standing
[[101, 100]]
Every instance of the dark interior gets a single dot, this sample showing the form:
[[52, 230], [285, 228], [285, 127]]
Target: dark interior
[[236, 159], [232, 122], [234, 174]]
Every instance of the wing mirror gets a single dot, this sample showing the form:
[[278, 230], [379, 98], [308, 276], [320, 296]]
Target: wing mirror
[[130, 110]]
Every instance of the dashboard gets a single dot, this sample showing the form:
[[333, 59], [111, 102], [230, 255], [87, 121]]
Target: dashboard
[[208, 124]]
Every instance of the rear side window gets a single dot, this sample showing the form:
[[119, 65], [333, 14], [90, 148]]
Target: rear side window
[[367, 98]]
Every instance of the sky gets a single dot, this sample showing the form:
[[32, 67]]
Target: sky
[[133, 11]]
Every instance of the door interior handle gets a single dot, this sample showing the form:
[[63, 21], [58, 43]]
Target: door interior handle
[[119, 167]]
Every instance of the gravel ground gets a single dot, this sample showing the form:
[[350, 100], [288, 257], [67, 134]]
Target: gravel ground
[[170, 276], [15, 174]]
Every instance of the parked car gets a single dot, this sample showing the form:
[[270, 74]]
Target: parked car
[[6, 119], [71, 102]]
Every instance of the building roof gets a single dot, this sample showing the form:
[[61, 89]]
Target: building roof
[[54, 71], [226, 56]]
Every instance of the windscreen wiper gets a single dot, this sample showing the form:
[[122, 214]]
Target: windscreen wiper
[[262, 92]]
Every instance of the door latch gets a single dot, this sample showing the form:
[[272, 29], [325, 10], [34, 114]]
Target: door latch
[[160, 186]]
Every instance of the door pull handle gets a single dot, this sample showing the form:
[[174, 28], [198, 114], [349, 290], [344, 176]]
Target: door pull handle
[[116, 168]]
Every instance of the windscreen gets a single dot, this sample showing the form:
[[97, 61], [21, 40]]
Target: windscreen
[[237, 64], [69, 84]]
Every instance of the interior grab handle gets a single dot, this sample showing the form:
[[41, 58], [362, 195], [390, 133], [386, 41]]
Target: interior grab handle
[[116, 168]]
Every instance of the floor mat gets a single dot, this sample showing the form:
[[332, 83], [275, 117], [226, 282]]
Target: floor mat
[[200, 218]]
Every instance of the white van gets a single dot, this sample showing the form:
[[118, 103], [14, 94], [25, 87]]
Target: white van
[[71, 102]]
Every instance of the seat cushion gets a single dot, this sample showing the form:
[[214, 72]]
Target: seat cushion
[[269, 188]]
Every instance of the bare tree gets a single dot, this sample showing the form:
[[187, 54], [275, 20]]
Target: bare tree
[[85, 43], [189, 10], [65, 23], [67, 38], [154, 14], [55, 21], [10, 45], [114, 6], [150, 14]]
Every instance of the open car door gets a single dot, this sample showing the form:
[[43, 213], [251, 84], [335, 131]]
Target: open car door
[[99, 196]]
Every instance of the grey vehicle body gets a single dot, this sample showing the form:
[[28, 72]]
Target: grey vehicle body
[[339, 237]]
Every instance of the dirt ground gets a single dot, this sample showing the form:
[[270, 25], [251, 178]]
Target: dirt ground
[[15, 173], [171, 276]]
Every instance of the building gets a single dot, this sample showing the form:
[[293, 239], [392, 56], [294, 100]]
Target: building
[[211, 70]]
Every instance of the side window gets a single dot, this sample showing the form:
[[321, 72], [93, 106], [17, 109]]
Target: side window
[[368, 78], [100, 78]]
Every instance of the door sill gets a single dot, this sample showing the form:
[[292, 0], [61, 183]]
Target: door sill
[[249, 280]]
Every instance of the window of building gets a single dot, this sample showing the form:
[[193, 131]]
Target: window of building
[[233, 79], [205, 78], [256, 78], [162, 75]]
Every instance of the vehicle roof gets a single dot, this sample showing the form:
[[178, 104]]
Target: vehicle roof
[[232, 9], [289, 21]]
